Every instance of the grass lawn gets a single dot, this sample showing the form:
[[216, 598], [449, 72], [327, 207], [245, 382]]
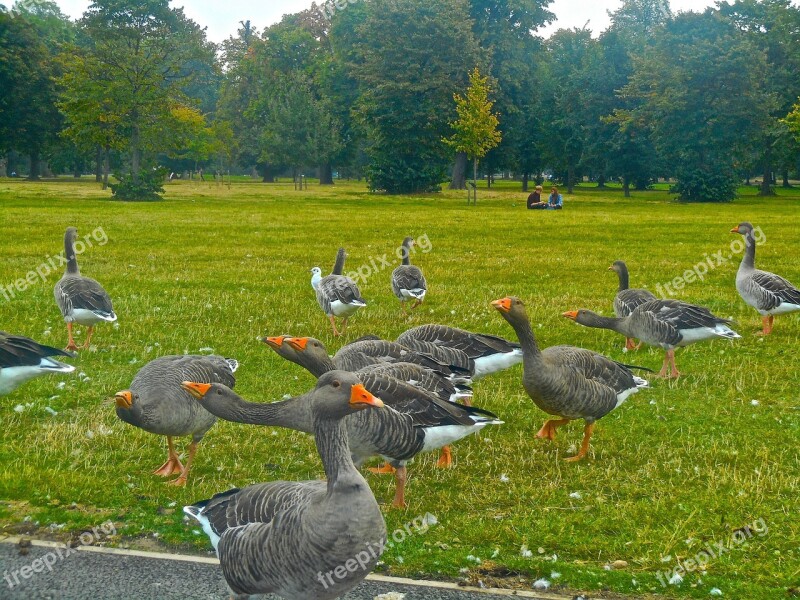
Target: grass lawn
[[678, 468]]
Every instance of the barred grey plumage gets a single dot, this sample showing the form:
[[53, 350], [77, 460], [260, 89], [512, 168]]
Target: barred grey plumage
[[568, 382], [768, 293], [407, 280], [81, 299], [627, 299], [291, 538], [22, 359], [157, 403], [337, 294]]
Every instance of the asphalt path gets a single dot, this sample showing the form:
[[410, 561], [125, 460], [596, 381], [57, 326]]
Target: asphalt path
[[51, 571]]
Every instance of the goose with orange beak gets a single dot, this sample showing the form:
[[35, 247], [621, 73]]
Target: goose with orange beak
[[768, 293], [568, 382], [627, 298]]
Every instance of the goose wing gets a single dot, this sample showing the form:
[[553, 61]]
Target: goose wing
[[339, 288], [408, 277], [20, 351], [772, 290], [78, 292], [475, 345], [626, 301]]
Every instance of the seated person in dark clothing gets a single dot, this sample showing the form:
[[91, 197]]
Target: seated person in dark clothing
[[535, 199]]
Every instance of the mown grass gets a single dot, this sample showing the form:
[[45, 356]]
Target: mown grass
[[677, 468]]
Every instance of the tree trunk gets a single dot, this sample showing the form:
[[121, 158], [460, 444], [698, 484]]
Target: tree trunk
[[525, 181], [766, 180], [626, 186], [105, 168], [785, 176], [135, 155], [601, 182], [34, 156], [3, 171], [459, 180], [570, 178], [475, 178], [98, 164], [326, 174]]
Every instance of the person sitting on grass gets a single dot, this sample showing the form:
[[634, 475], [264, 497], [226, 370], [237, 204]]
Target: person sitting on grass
[[555, 201], [535, 198]]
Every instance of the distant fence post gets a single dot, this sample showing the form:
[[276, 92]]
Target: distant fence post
[[472, 192]]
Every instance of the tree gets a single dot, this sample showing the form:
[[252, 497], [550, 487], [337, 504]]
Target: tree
[[409, 58], [698, 91], [475, 130], [134, 69]]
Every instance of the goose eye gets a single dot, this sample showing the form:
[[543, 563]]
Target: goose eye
[[336, 383]]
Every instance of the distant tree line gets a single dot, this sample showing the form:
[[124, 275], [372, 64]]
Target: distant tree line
[[367, 91]]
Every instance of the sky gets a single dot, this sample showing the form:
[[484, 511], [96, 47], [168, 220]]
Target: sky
[[222, 18]]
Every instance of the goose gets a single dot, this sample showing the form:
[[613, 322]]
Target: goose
[[408, 282], [627, 299], [418, 421], [157, 403], [411, 373], [82, 300], [299, 539], [489, 353], [668, 324], [22, 359], [337, 294], [568, 382], [768, 293]]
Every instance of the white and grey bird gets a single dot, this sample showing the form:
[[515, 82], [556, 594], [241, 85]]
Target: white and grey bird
[[22, 359], [408, 282], [157, 403], [81, 299], [627, 298], [337, 294], [296, 539], [667, 324], [768, 293]]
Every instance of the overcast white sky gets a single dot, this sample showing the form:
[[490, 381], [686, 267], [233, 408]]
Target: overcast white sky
[[222, 18]]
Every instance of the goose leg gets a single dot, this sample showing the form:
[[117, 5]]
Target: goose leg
[[89, 332], [446, 458], [663, 372], [675, 373], [548, 430], [766, 324], [344, 326], [173, 464], [416, 304], [333, 324], [587, 435], [386, 469], [639, 346], [71, 342], [401, 476], [630, 344], [181, 480]]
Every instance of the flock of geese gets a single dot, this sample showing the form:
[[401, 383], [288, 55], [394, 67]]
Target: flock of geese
[[374, 398]]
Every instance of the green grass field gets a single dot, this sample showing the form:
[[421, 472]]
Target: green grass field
[[676, 469]]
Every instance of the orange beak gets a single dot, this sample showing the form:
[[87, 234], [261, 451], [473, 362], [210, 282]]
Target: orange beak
[[735, 230], [360, 395], [273, 342], [123, 399], [570, 314], [298, 344], [197, 390], [503, 305]]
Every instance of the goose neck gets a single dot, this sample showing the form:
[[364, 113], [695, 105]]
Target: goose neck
[[69, 253], [331, 440]]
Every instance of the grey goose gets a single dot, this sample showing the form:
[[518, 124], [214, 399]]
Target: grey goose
[[627, 298], [568, 382], [488, 353], [156, 403], [668, 324], [22, 359], [337, 294], [294, 538], [81, 299], [768, 293], [408, 282]]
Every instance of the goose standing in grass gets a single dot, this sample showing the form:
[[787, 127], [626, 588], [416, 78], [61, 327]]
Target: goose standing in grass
[[337, 294], [668, 324], [82, 300], [568, 382], [157, 403], [488, 353], [627, 299], [768, 293], [297, 539], [22, 359], [408, 282], [415, 420]]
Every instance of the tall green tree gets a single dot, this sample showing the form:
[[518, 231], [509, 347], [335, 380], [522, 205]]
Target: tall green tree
[[134, 69], [410, 57], [698, 90]]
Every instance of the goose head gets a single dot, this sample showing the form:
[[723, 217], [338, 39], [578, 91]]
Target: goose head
[[340, 393], [745, 228], [512, 308]]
